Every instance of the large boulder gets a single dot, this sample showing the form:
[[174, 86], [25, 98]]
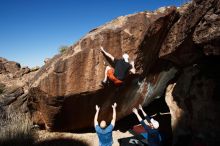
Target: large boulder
[[12, 68], [207, 32], [192, 44], [194, 104], [10, 94], [13, 84], [64, 92], [8, 66], [179, 46], [2, 67], [170, 46], [12, 74]]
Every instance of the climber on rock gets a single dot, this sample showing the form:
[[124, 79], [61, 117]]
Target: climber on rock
[[103, 131], [122, 68], [151, 126]]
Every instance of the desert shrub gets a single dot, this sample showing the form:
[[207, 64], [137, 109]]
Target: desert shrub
[[15, 129], [63, 48], [1, 90], [2, 86], [34, 68]]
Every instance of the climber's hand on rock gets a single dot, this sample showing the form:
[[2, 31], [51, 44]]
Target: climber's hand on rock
[[135, 110], [114, 105], [97, 108], [102, 49], [140, 107]]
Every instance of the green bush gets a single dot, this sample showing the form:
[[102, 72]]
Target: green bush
[[2, 86], [63, 48]]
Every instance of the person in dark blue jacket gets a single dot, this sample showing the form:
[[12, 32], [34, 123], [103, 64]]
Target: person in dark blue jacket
[[151, 126]]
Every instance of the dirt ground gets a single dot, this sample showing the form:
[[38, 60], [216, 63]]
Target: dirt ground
[[90, 138], [85, 139]]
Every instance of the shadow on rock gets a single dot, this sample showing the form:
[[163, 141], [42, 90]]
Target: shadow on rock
[[16, 139], [62, 141]]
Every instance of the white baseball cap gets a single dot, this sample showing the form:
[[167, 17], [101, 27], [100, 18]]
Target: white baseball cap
[[154, 123]]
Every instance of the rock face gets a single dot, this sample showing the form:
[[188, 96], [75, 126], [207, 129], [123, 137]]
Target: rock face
[[175, 47], [193, 97], [12, 68], [194, 104], [186, 42], [168, 46], [8, 66], [207, 32], [13, 83], [12, 74], [70, 82]]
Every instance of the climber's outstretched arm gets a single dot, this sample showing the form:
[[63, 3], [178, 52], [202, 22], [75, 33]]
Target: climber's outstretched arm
[[143, 122], [147, 118], [96, 115], [135, 111], [107, 54], [143, 112], [114, 114]]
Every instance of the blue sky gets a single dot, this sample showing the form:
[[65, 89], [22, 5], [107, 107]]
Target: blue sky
[[32, 30]]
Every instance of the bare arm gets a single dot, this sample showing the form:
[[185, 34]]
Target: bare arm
[[96, 115], [140, 107], [145, 115], [139, 117], [132, 70], [136, 113], [114, 114], [107, 54]]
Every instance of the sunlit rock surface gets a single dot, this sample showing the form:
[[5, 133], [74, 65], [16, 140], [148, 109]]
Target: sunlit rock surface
[[176, 54], [65, 91]]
